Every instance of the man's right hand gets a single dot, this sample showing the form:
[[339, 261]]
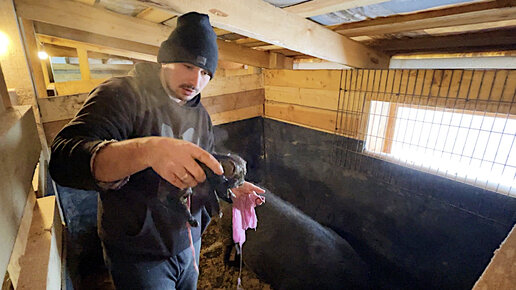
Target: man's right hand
[[174, 161]]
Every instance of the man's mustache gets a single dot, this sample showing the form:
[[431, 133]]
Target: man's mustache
[[189, 87]]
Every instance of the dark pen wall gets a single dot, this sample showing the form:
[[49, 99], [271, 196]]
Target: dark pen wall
[[415, 229]]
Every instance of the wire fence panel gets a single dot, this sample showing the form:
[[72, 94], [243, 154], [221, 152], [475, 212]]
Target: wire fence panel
[[460, 124]]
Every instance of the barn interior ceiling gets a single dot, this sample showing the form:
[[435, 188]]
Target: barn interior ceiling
[[389, 28]]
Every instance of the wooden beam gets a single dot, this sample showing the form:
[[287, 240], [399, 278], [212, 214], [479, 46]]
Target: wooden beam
[[318, 7], [316, 98], [95, 48], [234, 101], [41, 263], [97, 21], [468, 28], [294, 33], [74, 87], [20, 150], [238, 53], [237, 115], [314, 118], [66, 106], [91, 19], [462, 42], [84, 64], [33, 58], [459, 15], [63, 51], [135, 49], [6, 101], [14, 267], [155, 15]]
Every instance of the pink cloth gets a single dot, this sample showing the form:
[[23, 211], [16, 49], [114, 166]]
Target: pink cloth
[[244, 216]]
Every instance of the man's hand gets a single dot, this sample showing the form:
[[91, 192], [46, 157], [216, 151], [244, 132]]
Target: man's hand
[[246, 189], [174, 160]]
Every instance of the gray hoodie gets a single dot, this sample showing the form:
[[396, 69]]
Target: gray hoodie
[[132, 219]]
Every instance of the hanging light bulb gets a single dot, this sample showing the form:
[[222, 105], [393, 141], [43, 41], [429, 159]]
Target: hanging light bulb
[[4, 43], [42, 54]]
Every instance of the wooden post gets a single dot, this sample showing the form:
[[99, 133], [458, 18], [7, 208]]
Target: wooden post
[[6, 102], [389, 133], [33, 58], [84, 64]]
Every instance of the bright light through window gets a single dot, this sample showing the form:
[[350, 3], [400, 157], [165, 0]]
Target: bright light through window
[[474, 147], [4, 43]]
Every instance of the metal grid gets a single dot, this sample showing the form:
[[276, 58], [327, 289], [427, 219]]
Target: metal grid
[[460, 124]]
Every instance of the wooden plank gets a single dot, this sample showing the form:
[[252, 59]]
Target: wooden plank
[[91, 19], [279, 61], [510, 87], [39, 267], [237, 53], [6, 100], [31, 50], [492, 40], [14, 267], [61, 107], [237, 115], [155, 15], [84, 64], [318, 7], [123, 28], [96, 48], [310, 79], [232, 84], [459, 15], [501, 271], [468, 28], [61, 51], [76, 87], [234, 101], [95, 39], [389, 130], [294, 33], [20, 150], [313, 117], [89, 2], [317, 98]]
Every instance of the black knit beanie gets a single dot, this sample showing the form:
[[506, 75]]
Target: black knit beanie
[[193, 41]]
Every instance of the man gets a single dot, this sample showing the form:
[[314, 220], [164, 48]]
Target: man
[[135, 136]]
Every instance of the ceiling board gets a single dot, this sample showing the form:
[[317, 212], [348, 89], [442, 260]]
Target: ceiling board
[[458, 15], [318, 7], [155, 15], [259, 20]]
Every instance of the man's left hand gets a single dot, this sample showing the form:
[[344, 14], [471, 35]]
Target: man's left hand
[[246, 189]]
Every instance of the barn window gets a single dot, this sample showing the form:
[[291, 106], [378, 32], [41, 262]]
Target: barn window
[[473, 147], [460, 124]]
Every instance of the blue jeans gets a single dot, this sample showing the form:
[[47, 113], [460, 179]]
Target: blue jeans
[[176, 272]]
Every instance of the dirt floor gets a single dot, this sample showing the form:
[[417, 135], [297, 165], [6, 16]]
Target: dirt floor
[[219, 262]]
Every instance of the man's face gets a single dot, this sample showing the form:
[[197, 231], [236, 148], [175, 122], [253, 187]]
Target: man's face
[[184, 80]]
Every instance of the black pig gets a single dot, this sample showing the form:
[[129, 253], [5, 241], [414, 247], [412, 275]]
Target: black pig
[[290, 250]]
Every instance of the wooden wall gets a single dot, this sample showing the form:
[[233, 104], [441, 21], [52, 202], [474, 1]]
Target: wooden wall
[[19, 152], [501, 271], [307, 98], [334, 100], [232, 95]]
